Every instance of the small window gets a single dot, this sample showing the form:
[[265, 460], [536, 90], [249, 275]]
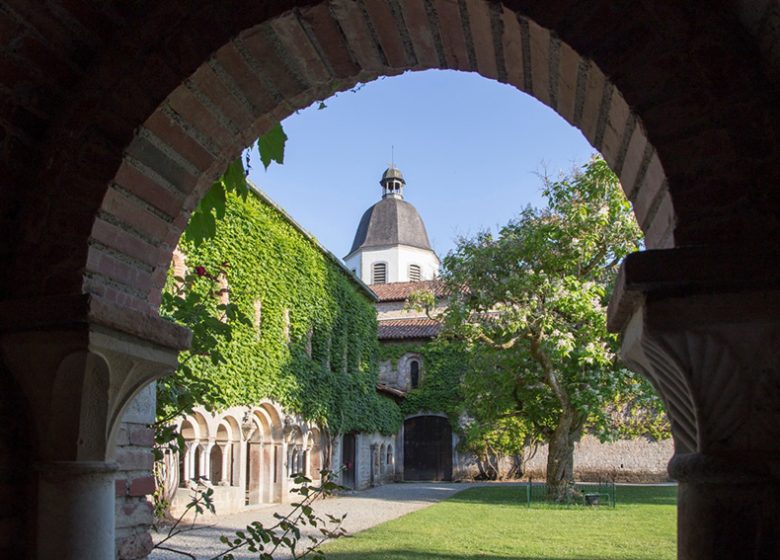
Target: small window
[[379, 274], [414, 373], [414, 273]]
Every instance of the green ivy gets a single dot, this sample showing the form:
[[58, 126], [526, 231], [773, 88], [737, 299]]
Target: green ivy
[[327, 370], [443, 365]]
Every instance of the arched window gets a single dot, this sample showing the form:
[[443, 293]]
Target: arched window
[[414, 373], [415, 275], [379, 273]]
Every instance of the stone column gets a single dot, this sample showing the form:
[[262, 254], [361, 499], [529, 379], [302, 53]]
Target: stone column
[[80, 362], [705, 330], [205, 460], [225, 479], [76, 510]]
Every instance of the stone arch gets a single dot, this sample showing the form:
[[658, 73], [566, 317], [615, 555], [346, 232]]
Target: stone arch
[[295, 450]]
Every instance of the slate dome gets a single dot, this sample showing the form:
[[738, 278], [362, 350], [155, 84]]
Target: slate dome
[[391, 221]]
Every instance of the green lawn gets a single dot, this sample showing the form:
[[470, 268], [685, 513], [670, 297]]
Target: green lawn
[[492, 523]]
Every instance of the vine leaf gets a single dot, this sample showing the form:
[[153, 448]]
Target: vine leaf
[[271, 145], [203, 223]]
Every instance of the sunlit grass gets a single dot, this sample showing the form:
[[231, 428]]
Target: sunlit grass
[[492, 523]]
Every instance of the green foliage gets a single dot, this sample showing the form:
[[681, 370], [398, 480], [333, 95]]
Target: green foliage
[[203, 222], [271, 145], [442, 371], [532, 302], [322, 364]]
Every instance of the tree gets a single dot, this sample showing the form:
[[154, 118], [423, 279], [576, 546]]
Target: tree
[[532, 302]]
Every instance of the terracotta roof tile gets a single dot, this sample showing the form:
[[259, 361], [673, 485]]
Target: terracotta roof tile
[[399, 291], [399, 329]]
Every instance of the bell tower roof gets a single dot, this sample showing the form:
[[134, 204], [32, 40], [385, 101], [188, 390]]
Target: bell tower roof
[[393, 183], [391, 221]]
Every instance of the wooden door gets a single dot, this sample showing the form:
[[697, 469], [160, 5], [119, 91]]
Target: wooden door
[[427, 448]]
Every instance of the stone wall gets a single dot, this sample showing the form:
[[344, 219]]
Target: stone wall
[[134, 481], [635, 460]]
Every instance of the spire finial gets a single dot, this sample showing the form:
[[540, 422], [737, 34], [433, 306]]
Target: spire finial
[[392, 155]]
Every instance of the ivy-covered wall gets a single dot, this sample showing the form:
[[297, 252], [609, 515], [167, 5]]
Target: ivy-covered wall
[[310, 341], [444, 363]]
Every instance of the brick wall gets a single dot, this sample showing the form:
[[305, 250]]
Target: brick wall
[[134, 482]]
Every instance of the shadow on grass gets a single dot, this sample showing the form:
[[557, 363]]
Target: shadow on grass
[[662, 495]]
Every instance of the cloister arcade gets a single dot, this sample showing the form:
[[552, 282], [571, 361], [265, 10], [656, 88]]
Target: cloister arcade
[[116, 117], [246, 455]]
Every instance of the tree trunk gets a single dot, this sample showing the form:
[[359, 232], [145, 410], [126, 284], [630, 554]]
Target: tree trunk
[[560, 458]]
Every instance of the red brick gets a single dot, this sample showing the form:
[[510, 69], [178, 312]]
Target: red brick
[[183, 102], [330, 40], [300, 49], [254, 90], [389, 37], [121, 487], [512, 40], [356, 30], [125, 242], [135, 216], [482, 37], [170, 133], [540, 65], [420, 33], [451, 33], [141, 486]]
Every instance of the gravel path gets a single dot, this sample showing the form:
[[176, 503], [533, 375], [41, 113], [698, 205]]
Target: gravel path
[[364, 509]]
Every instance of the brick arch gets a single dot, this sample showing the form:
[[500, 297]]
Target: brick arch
[[137, 136], [272, 69]]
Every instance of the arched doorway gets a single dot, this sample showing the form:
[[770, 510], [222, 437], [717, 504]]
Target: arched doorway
[[427, 448]]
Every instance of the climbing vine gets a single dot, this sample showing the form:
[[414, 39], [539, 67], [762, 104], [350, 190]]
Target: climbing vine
[[443, 369], [310, 343]]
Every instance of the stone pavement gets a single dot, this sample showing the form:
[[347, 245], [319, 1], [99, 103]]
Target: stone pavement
[[364, 509]]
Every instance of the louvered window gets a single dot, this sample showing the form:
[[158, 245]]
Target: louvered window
[[414, 273], [379, 274]]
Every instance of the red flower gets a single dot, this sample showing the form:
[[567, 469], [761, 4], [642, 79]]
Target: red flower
[[200, 270]]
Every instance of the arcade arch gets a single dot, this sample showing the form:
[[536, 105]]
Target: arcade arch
[[126, 138]]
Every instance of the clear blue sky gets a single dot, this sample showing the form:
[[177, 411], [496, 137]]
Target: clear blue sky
[[470, 150]]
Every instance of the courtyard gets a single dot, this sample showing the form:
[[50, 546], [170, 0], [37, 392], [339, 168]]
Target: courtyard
[[443, 521]]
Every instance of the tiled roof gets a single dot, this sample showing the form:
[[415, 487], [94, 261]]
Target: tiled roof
[[399, 291], [399, 329]]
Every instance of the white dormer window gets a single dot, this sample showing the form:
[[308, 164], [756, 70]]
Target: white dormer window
[[415, 274], [379, 273]]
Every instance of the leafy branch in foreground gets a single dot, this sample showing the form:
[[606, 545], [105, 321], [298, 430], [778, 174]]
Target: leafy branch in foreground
[[266, 541]]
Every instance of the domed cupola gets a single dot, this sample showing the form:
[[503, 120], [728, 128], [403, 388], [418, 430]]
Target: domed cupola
[[391, 243]]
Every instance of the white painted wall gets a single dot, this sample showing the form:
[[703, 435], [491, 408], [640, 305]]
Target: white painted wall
[[398, 258]]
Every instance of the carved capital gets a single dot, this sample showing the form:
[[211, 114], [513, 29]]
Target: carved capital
[[711, 351], [78, 381]]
